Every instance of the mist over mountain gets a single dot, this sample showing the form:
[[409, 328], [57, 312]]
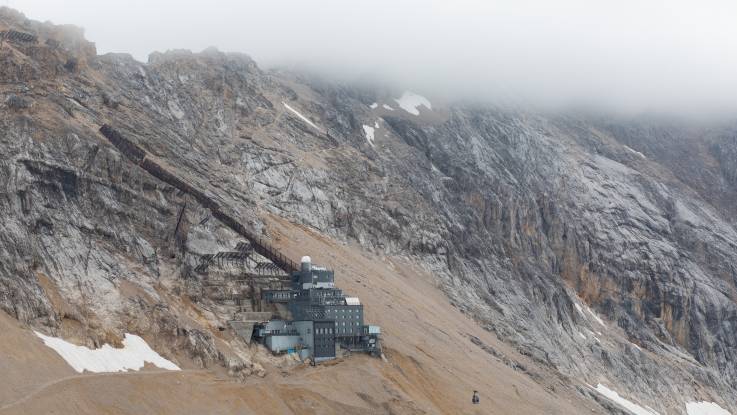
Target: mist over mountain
[[630, 57]]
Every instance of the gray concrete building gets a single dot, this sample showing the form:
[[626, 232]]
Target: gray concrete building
[[322, 317]]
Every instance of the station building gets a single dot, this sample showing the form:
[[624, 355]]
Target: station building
[[322, 318]]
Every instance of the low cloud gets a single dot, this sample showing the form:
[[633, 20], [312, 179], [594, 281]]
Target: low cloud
[[634, 56]]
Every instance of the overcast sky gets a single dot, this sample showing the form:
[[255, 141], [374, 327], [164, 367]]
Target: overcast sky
[[636, 55]]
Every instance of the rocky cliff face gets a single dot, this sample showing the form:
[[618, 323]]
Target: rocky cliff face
[[603, 249]]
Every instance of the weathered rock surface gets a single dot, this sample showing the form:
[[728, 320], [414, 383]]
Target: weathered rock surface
[[536, 225]]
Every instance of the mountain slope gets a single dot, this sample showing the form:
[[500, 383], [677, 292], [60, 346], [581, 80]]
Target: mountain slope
[[591, 251]]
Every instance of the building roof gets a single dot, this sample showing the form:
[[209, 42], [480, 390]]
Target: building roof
[[352, 301]]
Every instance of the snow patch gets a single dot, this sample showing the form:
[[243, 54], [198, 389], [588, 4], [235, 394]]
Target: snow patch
[[705, 408], [302, 117], [386, 107], [635, 152], [588, 310], [629, 405], [686, 214], [222, 125], [594, 335], [175, 110], [600, 321], [369, 131], [134, 354], [583, 336], [409, 102], [373, 106], [376, 124]]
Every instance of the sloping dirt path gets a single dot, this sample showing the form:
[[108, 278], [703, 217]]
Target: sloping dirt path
[[43, 387]]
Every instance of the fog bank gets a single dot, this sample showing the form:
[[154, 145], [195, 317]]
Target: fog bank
[[664, 56]]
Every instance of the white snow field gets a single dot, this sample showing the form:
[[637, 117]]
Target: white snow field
[[635, 151], [705, 408], [388, 108], [597, 318], [369, 131], [374, 105], [628, 405], [134, 354], [302, 117], [409, 102]]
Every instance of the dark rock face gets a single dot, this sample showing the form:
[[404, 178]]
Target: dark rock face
[[16, 102], [532, 224]]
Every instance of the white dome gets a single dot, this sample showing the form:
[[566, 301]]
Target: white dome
[[306, 259]]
